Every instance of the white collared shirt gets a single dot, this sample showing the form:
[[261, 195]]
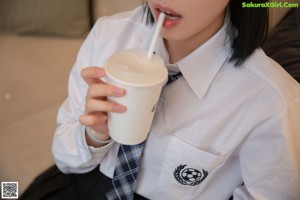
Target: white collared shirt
[[223, 124]]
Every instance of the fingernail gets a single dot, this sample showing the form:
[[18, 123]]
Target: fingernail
[[119, 108], [118, 92]]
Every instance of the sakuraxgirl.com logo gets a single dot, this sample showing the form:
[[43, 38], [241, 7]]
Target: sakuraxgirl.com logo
[[270, 5]]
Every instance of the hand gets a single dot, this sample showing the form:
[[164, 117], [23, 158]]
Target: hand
[[97, 106]]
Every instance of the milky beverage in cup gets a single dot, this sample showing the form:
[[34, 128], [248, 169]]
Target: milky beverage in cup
[[142, 78]]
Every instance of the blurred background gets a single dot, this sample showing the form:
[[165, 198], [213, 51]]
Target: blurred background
[[39, 41]]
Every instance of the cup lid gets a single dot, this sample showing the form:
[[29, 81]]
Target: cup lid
[[133, 67]]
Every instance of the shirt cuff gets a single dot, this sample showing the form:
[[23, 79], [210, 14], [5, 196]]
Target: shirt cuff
[[89, 151]]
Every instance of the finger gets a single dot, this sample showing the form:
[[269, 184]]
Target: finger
[[93, 120], [92, 75], [94, 123], [93, 105], [104, 90]]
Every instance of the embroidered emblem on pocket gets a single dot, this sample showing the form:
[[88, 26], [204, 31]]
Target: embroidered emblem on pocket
[[189, 176]]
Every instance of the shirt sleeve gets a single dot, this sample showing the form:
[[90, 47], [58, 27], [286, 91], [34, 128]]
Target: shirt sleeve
[[69, 147], [270, 158]]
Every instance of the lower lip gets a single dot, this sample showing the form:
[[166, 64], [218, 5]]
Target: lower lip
[[170, 23]]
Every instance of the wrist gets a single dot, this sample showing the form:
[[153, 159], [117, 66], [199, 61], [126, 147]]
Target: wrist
[[98, 138]]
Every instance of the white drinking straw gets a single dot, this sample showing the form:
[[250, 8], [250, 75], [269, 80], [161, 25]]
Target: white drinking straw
[[159, 24]]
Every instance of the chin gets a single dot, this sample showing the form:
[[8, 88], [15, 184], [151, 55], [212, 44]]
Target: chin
[[172, 35]]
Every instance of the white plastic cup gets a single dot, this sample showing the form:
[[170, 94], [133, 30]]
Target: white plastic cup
[[143, 79]]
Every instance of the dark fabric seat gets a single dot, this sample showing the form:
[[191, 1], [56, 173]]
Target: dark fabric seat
[[283, 43]]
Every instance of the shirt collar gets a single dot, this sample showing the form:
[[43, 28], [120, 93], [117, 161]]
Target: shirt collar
[[201, 66]]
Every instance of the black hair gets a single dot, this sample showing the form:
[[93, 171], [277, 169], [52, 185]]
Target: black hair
[[251, 28]]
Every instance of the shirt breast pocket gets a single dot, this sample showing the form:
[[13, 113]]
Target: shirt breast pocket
[[186, 170]]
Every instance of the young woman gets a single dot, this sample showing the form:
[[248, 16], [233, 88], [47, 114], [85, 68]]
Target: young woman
[[227, 128]]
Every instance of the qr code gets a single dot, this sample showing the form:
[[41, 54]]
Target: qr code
[[9, 190]]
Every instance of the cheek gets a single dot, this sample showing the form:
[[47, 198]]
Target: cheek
[[204, 14], [206, 10]]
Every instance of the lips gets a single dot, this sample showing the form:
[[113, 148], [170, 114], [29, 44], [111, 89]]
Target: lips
[[172, 18]]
